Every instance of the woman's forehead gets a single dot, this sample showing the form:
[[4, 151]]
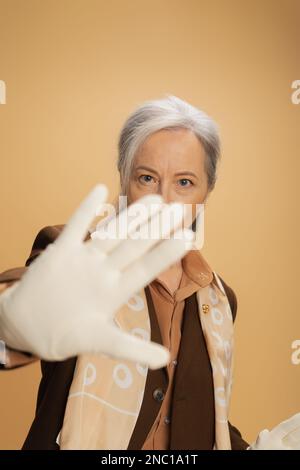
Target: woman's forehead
[[171, 149]]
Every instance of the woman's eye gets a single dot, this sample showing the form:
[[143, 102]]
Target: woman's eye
[[145, 179], [185, 182]]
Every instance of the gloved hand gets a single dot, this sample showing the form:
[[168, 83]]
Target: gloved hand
[[285, 436], [64, 304]]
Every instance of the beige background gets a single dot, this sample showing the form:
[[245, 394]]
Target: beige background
[[74, 69]]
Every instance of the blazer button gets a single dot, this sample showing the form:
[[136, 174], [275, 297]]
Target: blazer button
[[158, 395]]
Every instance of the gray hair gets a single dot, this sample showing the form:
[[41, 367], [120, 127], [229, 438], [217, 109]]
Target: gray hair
[[167, 113]]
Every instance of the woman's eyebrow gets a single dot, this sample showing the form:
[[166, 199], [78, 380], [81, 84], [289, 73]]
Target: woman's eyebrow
[[186, 172], [147, 168], [183, 172]]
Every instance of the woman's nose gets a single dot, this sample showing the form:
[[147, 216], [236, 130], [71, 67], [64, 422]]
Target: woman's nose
[[165, 191]]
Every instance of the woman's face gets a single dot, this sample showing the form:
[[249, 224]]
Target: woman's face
[[170, 163]]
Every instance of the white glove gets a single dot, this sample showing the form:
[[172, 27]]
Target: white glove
[[285, 436], [64, 304]]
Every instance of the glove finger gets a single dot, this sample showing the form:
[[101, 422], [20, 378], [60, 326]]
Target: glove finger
[[126, 346], [77, 227], [140, 273], [161, 227], [110, 235]]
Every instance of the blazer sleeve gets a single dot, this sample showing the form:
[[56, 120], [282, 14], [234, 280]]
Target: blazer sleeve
[[237, 442], [46, 235]]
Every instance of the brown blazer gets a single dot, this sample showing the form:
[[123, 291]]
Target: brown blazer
[[192, 406]]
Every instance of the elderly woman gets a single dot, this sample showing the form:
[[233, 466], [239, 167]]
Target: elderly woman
[[96, 401], [170, 148]]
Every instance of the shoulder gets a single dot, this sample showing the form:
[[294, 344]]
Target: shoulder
[[47, 234], [231, 297], [44, 237]]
